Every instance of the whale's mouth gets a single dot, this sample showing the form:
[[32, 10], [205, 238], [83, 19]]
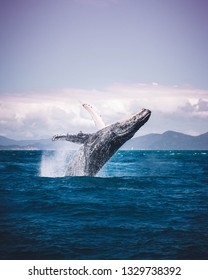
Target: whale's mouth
[[144, 114], [132, 124]]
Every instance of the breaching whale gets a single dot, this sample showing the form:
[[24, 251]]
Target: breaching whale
[[97, 148]]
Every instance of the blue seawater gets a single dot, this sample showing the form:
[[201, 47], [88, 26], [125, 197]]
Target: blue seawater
[[142, 205]]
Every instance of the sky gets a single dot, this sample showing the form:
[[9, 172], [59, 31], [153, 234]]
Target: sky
[[118, 55]]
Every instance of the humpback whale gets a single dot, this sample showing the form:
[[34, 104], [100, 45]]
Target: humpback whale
[[97, 148]]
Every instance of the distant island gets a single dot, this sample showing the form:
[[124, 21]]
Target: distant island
[[169, 140]]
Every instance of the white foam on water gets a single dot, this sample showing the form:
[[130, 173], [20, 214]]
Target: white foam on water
[[54, 163]]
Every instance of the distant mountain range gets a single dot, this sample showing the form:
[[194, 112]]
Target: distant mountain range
[[169, 140]]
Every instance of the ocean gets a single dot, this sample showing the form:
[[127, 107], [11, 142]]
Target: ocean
[[142, 205]]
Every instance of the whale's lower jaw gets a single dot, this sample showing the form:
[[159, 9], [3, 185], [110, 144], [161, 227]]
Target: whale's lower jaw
[[82, 166], [77, 164], [88, 161], [74, 170]]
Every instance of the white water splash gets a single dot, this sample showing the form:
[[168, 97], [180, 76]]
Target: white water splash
[[54, 163]]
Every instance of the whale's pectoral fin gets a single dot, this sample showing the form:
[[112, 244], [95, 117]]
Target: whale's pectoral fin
[[96, 118], [79, 138], [58, 137]]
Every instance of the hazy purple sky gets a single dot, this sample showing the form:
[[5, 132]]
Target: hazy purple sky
[[102, 50]]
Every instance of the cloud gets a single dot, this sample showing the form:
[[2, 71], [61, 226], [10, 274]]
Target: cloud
[[43, 114], [197, 108]]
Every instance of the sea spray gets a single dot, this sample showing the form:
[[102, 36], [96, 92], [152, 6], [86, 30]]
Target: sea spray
[[54, 163]]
